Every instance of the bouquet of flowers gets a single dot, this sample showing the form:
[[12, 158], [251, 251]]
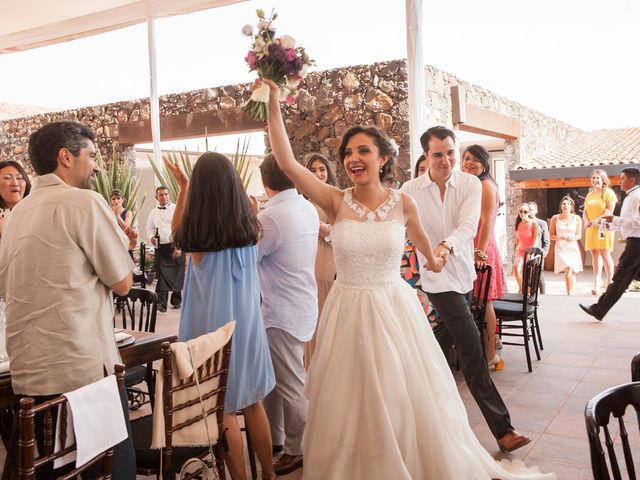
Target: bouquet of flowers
[[274, 58]]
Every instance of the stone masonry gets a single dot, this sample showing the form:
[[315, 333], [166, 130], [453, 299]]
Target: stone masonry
[[329, 102]]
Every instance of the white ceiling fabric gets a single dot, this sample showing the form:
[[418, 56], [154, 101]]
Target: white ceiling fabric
[[26, 24]]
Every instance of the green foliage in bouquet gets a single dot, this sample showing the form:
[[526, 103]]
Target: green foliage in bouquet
[[117, 174]]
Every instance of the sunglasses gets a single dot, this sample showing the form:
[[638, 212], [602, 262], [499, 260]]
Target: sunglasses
[[524, 211]]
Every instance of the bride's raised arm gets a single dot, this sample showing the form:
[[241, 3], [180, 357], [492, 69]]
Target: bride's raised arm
[[325, 196]]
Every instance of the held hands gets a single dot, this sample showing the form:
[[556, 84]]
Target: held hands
[[178, 174], [176, 253], [443, 252], [436, 265]]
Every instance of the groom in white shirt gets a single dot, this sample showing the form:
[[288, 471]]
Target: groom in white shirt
[[449, 205]]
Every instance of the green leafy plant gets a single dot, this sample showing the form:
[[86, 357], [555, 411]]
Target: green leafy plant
[[165, 177], [240, 160], [118, 174]]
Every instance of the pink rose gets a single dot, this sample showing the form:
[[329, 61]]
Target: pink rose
[[291, 99], [290, 54], [251, 59]]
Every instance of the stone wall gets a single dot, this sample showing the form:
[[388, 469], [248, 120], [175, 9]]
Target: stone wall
[[329, 102]]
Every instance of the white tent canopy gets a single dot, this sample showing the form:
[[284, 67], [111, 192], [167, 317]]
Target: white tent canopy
[[26, 24]]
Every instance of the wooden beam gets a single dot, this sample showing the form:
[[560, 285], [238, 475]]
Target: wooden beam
[[486, 122], [190, 125], [559, 182], [476, 119]]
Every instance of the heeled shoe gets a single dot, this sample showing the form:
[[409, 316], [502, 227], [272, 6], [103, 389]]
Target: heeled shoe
[[496, 363]]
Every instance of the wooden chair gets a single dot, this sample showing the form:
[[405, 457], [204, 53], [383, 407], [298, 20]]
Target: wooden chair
[[137, 311], [27, 460], [599, 412], [533, 296], [479, 300], [152, 461], [635, 368], [517, 319]]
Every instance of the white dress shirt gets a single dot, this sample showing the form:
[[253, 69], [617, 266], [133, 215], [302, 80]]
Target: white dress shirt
[[286, 264], [454, 220], [628, 223], [160, 218]]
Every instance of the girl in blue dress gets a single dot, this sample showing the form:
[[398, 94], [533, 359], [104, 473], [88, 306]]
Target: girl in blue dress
[[214, 222]]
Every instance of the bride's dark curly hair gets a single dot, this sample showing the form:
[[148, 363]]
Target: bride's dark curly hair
[[384, 144]]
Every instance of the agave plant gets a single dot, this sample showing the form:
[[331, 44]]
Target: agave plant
[[165, 177], [240, 160], [119, 175]]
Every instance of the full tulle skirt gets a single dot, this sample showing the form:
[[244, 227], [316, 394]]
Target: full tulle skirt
[[383, 403]]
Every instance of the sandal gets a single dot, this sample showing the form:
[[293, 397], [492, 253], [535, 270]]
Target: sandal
[[496, 363]]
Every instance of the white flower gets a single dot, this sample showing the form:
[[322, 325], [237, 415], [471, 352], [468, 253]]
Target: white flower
[[261, 94], [292, 82], [394, 146], [260, 46], [262, 25], [283, 93], [247, 30], [287, 41]]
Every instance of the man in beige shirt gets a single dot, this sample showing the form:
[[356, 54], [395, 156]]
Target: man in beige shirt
[[61, 253]]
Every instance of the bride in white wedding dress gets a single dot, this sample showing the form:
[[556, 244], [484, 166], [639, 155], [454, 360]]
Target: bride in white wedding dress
[[383, 403]]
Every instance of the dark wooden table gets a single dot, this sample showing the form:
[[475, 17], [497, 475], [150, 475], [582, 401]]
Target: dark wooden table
[[144, 350]]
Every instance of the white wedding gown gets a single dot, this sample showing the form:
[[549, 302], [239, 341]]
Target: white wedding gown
[[383, 403]]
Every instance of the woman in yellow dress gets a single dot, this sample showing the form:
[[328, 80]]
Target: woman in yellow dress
[[325, 265], [599, 202]]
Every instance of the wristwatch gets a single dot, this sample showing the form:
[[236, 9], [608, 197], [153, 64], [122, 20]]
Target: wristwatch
[[447, 246]]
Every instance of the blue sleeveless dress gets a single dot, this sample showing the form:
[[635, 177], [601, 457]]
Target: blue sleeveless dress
[[223, 287]]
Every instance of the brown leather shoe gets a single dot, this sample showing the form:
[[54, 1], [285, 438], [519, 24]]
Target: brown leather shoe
[[512, 441], [287, 464]]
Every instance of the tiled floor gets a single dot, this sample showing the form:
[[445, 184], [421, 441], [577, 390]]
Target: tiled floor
[[581, 357]]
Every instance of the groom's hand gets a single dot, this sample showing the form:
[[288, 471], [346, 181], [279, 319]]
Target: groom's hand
[[442, 252]]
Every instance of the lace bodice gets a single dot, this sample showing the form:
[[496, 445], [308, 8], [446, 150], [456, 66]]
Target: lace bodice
[[368, 245]]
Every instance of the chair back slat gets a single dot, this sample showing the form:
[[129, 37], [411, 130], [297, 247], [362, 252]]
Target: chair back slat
[[635, 369], [27, 461], [138, 310], [217, 366], [626, 448], [612, 403]]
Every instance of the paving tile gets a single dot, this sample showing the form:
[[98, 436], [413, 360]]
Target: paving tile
[[570, 359], [568, 425], [560, 449]]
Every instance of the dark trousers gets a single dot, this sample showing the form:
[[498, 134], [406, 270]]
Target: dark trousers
[[163, 296], [628, 269], [124, 456], [170, 275], [543, 283], [459, 329]]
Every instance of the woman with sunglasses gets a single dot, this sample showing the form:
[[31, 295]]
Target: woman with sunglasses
[[526, 237]]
